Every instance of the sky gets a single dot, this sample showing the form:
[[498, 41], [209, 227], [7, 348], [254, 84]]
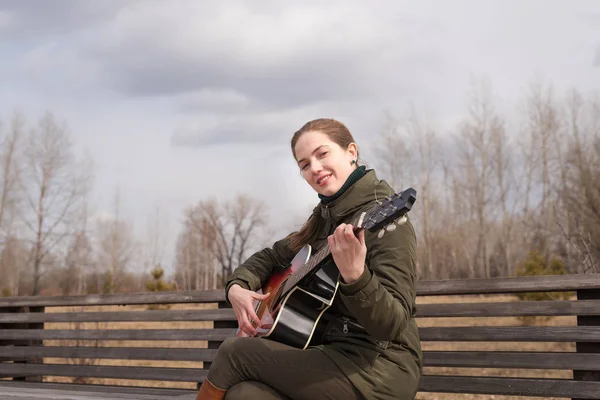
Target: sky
[[180, 101]]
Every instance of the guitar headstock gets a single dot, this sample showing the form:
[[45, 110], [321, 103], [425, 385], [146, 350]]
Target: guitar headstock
[[389, 212]]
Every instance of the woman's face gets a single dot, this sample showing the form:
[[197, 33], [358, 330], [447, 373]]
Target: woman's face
[[323, 163]]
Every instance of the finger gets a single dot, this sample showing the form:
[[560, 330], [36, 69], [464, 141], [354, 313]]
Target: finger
[[349, 232], [252, 315], [259, 296], [333, 241], [361, 237], [246, 326]]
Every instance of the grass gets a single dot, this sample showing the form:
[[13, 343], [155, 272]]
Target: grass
[[423, 322]]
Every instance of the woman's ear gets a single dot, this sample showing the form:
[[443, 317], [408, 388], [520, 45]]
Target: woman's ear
[[353, 150]]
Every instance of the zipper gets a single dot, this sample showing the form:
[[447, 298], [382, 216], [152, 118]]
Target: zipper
[[345, 328]]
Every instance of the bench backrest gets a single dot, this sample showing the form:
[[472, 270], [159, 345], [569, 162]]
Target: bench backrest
[[475, 335]]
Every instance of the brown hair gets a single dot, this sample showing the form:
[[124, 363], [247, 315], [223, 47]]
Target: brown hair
[[338, 133]]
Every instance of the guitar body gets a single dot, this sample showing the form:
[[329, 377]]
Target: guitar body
[[293, 318]]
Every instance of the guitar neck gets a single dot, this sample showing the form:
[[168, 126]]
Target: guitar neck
[[311, 264]]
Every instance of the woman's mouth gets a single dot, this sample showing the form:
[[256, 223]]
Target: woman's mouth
[[323, 180]]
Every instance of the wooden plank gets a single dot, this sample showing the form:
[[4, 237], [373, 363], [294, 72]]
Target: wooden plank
[[118, 334], [512, 359], [510, 386], [98, 388], [445, 334], [521, 284], [559, 283], [123, 316], [28, 393], [95, 371], [504, 309], [511, 334], [191, 296], [517, 308], [119, 353]]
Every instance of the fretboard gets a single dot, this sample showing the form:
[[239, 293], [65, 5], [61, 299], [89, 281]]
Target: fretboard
[[311, 264]]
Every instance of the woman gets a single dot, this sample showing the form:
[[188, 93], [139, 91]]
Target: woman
[[371, 348]]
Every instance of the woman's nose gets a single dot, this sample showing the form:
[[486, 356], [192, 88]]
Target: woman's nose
[[316, 166]]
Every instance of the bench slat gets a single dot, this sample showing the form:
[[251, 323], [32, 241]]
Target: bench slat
[[121, 353], [100, 388], [511, 386], [189, 296], [445, 334], [559, 283], [118, 334], [223, 314], [512, 359], [521, 308], [508, 309], [511, 334], [95, 371], [461, 359], [520, 284]]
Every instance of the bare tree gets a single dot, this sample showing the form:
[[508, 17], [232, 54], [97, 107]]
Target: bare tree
[[13, 259], [225, 233], [10, 146], [79, 260], [393, 152], [475, 173], [504, 172], [53, 184], [407, 154], [115, 249], [578, 213], [543, 127], [155, 245], [196, 264]]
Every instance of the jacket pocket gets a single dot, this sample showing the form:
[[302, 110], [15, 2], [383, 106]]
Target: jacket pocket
[[342, 328]]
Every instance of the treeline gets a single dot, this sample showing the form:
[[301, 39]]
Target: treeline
[[50, 240], [500, 187]]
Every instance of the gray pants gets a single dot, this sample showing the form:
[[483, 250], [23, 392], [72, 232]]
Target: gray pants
[[255, 368]]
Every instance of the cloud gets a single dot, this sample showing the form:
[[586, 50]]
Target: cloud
[[292, 55], [35, 20], [275, 126], [215, 101], [7, 19]]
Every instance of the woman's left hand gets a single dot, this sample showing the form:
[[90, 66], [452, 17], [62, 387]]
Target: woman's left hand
[[349, 252]]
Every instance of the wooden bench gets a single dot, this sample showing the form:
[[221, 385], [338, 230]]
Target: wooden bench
[[473, 339]]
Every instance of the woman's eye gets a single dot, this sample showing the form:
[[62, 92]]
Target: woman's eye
[[323, 154], [303, 167]]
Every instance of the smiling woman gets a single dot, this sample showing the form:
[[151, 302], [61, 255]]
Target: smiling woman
[[349, 330]]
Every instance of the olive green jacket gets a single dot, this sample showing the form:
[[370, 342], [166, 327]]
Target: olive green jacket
[[381, 351]]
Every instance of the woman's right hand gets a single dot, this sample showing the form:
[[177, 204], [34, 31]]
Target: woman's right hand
[[242, 301]]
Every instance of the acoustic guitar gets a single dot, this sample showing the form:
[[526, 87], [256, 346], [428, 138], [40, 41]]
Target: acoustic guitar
[[301, 293]]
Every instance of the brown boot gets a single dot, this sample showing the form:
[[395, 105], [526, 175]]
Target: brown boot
[[208, 391]]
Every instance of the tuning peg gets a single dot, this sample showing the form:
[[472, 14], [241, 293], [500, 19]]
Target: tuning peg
[[391, 227], [402, 220], [381, 233]]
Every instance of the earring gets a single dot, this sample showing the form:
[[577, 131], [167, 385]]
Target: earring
[[352, 162]]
